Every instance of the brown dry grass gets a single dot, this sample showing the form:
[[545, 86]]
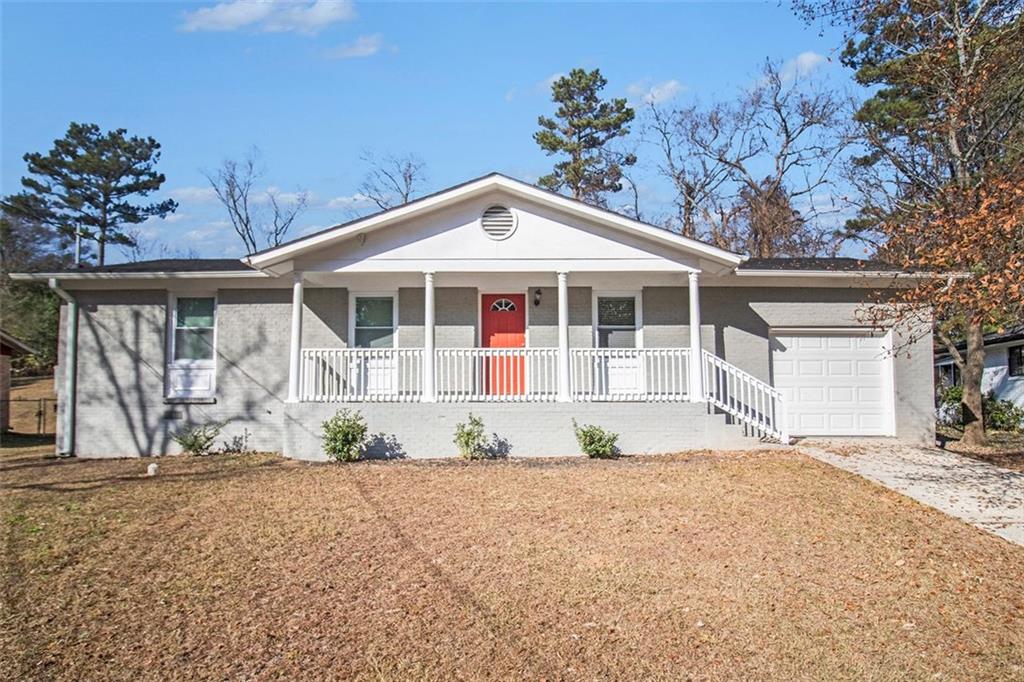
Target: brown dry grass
[[764, 565], [1004, 449]]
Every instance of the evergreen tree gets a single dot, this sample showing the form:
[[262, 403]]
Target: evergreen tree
[[86, 183], [584, 128]]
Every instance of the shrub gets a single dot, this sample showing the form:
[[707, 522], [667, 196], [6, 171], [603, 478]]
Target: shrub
[[471, 439], [238, 445], [344, 436], [999, 415], [198, 439], [595, 441]]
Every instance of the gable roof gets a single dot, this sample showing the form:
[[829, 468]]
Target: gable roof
[[9, 342], [486, 183]]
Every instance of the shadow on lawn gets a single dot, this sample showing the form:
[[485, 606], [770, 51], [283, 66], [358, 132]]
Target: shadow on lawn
[[209, 469]]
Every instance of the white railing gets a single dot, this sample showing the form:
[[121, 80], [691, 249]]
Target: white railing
[[361, 374], [630, 374], [745, 397], [496, 374]]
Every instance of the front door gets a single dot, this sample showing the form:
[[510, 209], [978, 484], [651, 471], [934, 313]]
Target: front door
[[503, 325]]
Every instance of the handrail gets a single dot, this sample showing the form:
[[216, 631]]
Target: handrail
[[496, 374], [361, 374], [630, 374], [745, 397]]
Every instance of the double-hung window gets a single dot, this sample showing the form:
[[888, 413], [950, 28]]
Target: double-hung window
[[374, 322], [616, 322], [192, 352], [1016, 360]]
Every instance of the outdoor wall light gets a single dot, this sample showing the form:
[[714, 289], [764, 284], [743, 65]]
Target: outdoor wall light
[[536, 298]]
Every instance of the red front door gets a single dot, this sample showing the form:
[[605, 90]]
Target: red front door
[[503, 325]]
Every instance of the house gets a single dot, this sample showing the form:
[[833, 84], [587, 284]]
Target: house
[[10, 347], [524, 307], [1003, 375]]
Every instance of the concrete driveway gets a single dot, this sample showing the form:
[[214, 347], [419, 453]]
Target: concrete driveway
[[981, 494]]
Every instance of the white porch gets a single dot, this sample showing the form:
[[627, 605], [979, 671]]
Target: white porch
[[526, 374]]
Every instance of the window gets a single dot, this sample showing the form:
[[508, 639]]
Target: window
[[193, 329], [374, 322], [503, 305], [616, 322], [1016, 360]]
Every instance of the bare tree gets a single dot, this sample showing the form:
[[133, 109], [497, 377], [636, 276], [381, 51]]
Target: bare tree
[[254, 213], [392, 180], [756, 175], [144, 247]]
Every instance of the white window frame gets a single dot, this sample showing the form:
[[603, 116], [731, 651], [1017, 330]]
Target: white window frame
[[638, 307], [353, 295], [185, 366]]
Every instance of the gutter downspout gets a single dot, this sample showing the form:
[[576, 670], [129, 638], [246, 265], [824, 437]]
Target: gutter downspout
[[67, 447]]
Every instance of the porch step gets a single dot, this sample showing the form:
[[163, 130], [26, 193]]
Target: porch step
[[426, 430]]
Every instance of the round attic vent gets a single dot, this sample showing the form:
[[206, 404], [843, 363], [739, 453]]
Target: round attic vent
[[498, 222]]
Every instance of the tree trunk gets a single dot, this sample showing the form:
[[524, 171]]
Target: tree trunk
[[101, 250], [974, 365]]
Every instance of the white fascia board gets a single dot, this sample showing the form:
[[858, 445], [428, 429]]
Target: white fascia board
[[863, 274], [93, 276], [483, 185]]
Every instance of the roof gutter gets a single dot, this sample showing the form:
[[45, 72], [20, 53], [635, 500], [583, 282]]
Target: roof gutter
[[67, 445], [71, 276]]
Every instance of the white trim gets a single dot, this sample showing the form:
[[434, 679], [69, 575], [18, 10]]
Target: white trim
[[482, 185], [638, 306], [353, 294], [883, 274], [171, 363], [227, 274]]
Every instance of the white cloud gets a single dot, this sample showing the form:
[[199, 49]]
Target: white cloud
[[363, 46], [542, 87], [193, 195], [353, 201], [800, 66], [646, 92], [270, 16]]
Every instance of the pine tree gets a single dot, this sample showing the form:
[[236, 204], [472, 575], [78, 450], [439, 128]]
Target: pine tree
[[584, 128], [87, 181]]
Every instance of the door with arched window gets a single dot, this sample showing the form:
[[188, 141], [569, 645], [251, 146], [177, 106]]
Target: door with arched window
[[503, 325]]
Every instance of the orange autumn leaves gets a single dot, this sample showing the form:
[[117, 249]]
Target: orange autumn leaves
[[976, 231]]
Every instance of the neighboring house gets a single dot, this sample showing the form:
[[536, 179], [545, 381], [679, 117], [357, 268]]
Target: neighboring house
[[10, 347], [1003, 375], [494, 297]]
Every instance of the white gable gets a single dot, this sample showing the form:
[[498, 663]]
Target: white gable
[[443, 233]]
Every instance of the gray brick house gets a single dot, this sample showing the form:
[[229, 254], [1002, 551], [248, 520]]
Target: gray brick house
[[492, 297]]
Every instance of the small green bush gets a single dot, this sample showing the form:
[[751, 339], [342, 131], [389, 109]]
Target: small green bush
[[595, 442], [344, 436], [999, 415], [197, 439], [471, 439]]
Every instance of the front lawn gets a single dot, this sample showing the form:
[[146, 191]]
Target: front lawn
[[707, 565]]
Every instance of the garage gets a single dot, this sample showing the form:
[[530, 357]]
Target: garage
[[834, 383]]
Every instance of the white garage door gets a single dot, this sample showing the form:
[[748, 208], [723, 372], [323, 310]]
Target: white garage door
[[834, 384]]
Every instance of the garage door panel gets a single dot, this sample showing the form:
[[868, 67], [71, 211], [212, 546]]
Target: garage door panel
[[833, 383]]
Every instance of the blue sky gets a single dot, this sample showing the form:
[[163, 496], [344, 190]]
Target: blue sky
[[313, 84]]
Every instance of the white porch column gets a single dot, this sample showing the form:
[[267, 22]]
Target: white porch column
[[696, 361], [429, 392], [564, 395], [295, 351]]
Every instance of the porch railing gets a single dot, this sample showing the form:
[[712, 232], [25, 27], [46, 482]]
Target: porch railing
[[620, 374], [361, 374], [746, 398], [496, 374]]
